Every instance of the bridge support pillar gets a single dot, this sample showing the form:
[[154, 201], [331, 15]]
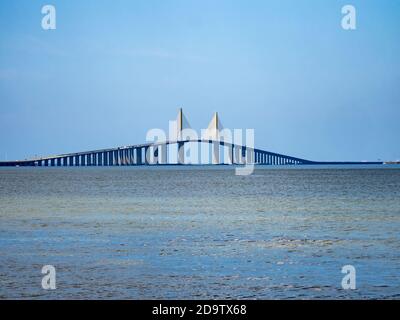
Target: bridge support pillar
[[231, 155], [117, 157], [125, 158], [128, 157], [237, 157], [250, 155], [121, 155], [138, 156], [181, 153], [243, 155], [105, 158], [155, 154], [114, 158], [131, 160], [146, 155], [163, 156], [215, 152], [134, 156]]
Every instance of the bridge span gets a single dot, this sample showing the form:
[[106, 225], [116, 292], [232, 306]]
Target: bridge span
[[156, 153]]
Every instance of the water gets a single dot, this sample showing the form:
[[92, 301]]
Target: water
[[193, 233]]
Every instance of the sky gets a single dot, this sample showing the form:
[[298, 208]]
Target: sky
[[112, 70]]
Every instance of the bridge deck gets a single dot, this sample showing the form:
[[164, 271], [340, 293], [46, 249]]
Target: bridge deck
[[126, 155]]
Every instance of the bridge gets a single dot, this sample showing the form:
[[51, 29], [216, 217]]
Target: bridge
[[156, 153]]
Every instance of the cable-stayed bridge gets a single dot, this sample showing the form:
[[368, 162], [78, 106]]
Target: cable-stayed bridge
[[157, 153]]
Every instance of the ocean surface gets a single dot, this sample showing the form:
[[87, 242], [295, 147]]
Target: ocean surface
[[200, 232]]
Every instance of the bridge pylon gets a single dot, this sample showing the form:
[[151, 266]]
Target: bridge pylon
[[181, 124], [213, 133]]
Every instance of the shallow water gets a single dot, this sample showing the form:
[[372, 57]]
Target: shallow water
[[174, 233]]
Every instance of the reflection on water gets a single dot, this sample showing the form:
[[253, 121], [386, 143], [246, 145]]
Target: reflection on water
[[199, 232]]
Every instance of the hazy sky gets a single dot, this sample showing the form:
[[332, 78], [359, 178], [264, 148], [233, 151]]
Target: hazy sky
[[114, 69]]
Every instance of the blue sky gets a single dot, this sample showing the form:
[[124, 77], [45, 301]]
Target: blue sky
[[114, 69]]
